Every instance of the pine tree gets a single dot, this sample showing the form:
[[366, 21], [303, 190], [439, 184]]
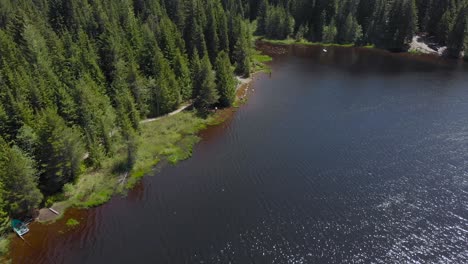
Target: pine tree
[[175, 10], [18, 178], [182, 71], [241, 52], [222, 28], [166, 91], [208, 95], [26, 139], [352, 31], [225, 82], [59, 153], [444, 26], [4, 219], [6, 8], [279, 23], [195, 65], [402, 24], [193, 32], [329, 33], [211, 33], [3, 121], [123, 99], [302, 32], [456, 37], [262, 17], [365, 11], [96, 117]]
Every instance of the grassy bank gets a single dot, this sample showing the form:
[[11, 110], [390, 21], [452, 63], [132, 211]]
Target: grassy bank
[[415, 52], [259, 61], [168, 139]]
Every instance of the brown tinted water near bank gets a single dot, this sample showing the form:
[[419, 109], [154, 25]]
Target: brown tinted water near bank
[[349, 156]]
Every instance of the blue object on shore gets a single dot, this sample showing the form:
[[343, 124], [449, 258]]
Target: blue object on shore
[[19, 227]]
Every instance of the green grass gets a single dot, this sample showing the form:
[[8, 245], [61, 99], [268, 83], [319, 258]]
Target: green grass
[[92, 189], [415, 52], [239, 102], [370, 46], [307, 43], [261, 58], [99, 197], [304, 43], [259, 61], [171, 139], [72, 223], [4, 246], [55, 199]]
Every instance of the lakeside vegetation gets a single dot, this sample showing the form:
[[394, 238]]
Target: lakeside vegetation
[[306, 43], [72, 223], [387, 24], [78, 76], [4, 245], [259, 62], [168, 139]]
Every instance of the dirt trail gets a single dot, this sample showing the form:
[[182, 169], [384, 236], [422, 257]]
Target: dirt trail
[[180, 109]]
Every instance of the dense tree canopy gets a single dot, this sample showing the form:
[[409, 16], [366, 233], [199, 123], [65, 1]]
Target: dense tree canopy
[[388, 24], [77, 76], [225, 82]]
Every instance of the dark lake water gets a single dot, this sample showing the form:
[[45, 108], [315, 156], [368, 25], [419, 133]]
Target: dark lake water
[[349, 156]]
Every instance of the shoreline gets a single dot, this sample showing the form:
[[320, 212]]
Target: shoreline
[[291, 42], [418, 46], [46, 216], [172, 153]]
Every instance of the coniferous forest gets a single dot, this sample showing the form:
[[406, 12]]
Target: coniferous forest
[[388, 24], [78, 76]]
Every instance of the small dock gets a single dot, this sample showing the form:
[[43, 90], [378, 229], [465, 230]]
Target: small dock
[[54, 211]]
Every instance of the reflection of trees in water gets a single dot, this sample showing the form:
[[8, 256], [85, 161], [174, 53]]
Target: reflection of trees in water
[[136, 194]]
